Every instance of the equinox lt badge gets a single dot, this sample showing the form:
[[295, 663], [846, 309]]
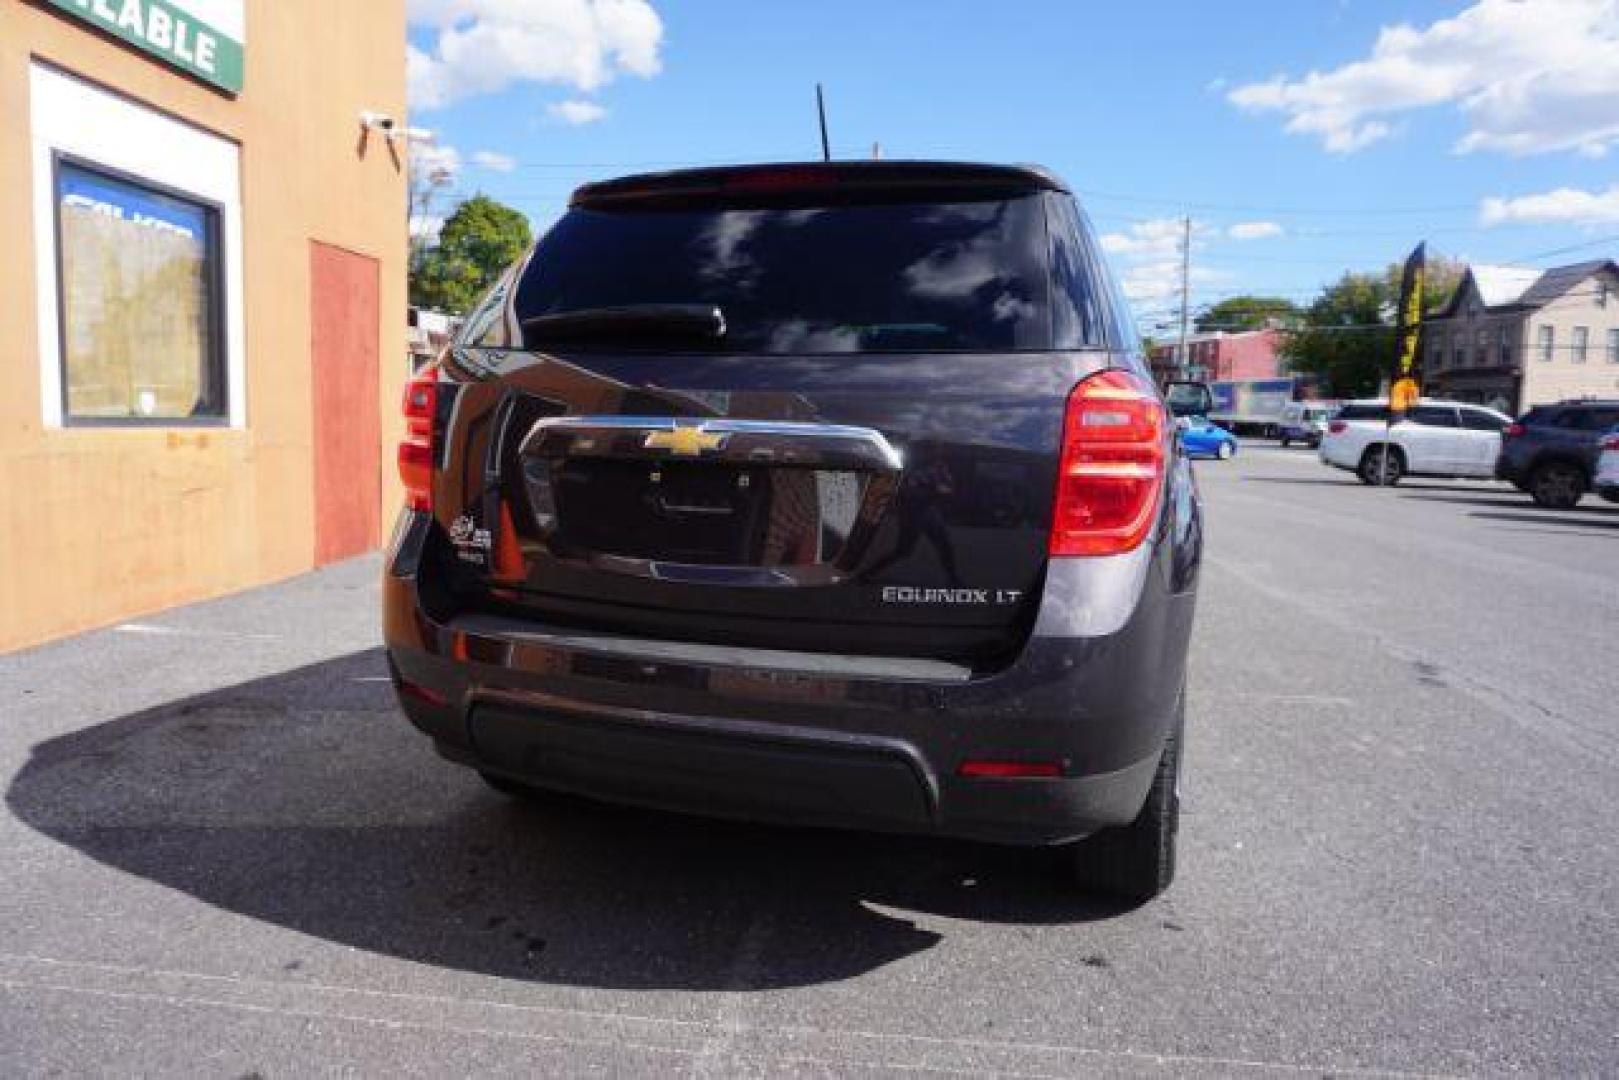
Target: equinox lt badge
[[906, 594]]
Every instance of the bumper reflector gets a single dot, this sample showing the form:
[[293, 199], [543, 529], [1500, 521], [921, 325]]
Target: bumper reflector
[[1009, 770]]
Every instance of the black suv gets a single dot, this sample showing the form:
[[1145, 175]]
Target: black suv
[[831, 494], [1551, 451]]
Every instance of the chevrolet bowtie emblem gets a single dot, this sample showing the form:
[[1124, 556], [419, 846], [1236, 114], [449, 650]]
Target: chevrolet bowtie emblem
[[685, 441]]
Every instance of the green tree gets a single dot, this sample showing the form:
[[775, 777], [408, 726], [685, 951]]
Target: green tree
[[1249, 313], [479, 240], [1444, 275], [1346, 338]]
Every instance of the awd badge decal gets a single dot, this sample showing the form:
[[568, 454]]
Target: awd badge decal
[[471, 543]]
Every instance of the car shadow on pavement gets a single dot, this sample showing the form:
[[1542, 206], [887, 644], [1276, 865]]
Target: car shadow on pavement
[[1504, 500], [1564, 518], [1333, 481], [306, 800]]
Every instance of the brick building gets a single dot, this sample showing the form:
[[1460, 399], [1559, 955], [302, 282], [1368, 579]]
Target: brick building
[[1218, 355]]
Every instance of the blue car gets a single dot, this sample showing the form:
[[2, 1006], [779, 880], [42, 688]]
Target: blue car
[[1202, 437]]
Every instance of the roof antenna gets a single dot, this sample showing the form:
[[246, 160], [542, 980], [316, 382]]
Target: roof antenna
[[820, 107]]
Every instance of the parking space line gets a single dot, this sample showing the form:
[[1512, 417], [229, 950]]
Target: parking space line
[[691, 1039]]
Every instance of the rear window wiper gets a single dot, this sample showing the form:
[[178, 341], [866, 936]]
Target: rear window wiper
[[703, 322]]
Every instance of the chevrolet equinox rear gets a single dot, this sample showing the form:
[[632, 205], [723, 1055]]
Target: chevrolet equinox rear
[[831, 494]]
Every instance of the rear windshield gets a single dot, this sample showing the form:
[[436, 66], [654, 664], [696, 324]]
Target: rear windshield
[[840, 279]]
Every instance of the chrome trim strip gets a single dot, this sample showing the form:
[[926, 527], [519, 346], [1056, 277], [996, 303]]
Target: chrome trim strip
[[724, 426]]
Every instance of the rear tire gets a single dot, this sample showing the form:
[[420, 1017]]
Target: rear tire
[[1136, 862], [1557, 485], [1393, 468]]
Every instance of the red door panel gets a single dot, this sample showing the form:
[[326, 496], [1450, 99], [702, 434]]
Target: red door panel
[[344, 348]]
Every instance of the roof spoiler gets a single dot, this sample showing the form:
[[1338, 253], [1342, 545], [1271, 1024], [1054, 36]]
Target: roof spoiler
[[796, 180]]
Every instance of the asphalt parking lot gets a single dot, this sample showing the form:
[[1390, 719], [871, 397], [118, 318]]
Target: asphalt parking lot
[[226, 855]]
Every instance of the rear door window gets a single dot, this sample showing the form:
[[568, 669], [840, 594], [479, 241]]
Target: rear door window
[[1479, 420], [1363, 412], [1434, 416], [970, 275]]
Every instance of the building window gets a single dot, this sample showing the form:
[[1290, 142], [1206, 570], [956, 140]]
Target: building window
[[1506, 346], [1545, 340], [1582, 336], [137, 255], [1461, 352], [139, 301], [1481, 355], [1613, 346]]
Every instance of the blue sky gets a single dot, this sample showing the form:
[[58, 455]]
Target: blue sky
[[1490, 129]]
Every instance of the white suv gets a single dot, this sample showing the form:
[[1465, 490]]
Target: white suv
[[1436, 438]]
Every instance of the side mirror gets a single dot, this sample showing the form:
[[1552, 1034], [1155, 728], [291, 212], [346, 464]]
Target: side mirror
[[1188, 398]]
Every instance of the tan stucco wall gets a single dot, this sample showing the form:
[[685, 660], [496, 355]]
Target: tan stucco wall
[[97, 525], [1559, 378]]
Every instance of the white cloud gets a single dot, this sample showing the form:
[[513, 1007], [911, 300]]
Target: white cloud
[[1146, 239], [576, 112], [426, 227], [1254, 230], [1148, 257], [483, 46], [1528, 76], [428, 161], [488, 159], [1157, 285], [1564, 206]]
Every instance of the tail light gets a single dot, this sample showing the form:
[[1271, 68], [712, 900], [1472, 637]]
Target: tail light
[[1337, 427], [1111, 475], [1610, 443], [416, 448], [778, 179], [1514, 430]]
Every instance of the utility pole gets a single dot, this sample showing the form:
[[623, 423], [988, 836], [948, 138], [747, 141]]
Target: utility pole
[[820, 108], [876, 151], [1183, 367]]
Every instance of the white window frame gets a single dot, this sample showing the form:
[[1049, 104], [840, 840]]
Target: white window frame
[[70, 116], [1613, 345], [1545, 343], [1581, 345]]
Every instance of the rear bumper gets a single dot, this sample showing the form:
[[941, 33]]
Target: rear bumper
[[814, 738], [1509, 468]]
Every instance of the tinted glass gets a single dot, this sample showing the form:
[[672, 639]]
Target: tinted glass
[[1363, 412], [1076, 296], [1572, 419], [836, 279], [1476, 420], [1433, 416]]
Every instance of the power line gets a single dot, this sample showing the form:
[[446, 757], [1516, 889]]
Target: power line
[[1572, 247]]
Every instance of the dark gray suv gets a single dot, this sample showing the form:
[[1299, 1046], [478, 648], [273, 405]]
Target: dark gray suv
[[830, 494], [1551, 451]]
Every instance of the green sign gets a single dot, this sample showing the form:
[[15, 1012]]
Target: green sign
[[169, 33]]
